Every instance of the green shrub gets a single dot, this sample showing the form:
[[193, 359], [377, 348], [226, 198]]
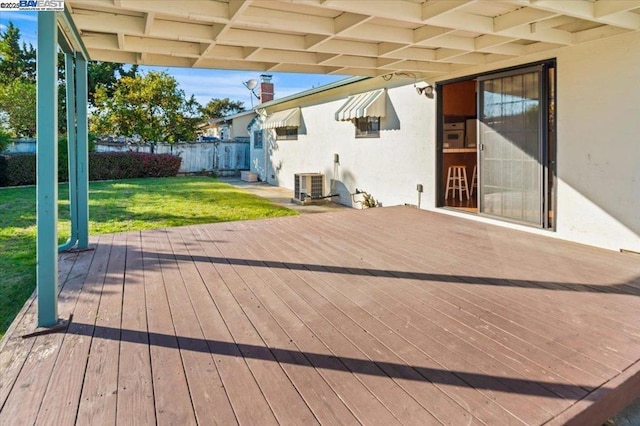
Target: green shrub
[[21, 169], [5, 139]]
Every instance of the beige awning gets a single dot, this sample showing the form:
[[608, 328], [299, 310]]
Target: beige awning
[[370, 104], [286, 118]]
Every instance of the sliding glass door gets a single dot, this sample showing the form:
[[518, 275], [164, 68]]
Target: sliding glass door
[[513, 108]]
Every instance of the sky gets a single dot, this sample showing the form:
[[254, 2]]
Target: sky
[[204, 84]]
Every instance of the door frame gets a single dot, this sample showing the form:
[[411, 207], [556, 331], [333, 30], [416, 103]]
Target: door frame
[[549, 194]]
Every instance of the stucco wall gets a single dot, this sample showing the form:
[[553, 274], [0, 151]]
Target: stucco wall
[[598, 152], [388, 167], [599, 143]]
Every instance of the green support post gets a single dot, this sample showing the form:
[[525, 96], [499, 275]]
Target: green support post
[[82, 157], [72, 150], [47, 170]]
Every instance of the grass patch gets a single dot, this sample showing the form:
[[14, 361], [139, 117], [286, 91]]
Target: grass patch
[[116, 206]]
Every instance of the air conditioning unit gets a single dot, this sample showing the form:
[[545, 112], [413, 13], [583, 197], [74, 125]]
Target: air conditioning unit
[[307, 187]]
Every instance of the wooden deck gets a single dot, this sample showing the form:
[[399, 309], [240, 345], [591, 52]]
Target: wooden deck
[[384, 316]]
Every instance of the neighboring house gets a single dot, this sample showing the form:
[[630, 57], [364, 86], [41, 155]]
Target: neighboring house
[[552, 136], [232, 127]]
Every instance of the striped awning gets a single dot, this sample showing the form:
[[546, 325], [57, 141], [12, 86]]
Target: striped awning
[[370, 104], [286, 118]]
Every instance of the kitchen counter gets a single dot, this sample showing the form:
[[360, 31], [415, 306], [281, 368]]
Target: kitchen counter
[[459, 150]]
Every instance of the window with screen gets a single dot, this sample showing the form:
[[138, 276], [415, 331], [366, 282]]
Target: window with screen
[[286, 133], [367, 127]]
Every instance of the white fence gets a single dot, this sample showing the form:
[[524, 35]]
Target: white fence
[[223, 157], [21, 146]]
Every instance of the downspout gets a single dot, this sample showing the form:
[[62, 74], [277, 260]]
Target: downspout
[[71, 150]]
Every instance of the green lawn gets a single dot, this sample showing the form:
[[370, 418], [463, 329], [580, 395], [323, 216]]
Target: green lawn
[[115, 206]]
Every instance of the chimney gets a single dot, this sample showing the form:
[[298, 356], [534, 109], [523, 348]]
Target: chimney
[[266, 88]]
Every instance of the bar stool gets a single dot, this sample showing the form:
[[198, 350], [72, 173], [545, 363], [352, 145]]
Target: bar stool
[[457, 179], [474, 179]]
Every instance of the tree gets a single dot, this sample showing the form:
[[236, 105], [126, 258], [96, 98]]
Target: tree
[[151, 106], [106, 74], [217, 108], [18, 100], [16, 62]]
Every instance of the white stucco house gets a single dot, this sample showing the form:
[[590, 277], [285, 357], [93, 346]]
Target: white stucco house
[[548, 141]]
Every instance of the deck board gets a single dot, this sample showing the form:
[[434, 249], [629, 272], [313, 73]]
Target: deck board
[[383, 316], [135, 381]]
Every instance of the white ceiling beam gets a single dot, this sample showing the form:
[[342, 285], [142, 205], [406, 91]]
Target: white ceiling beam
[[348, 47], [208, 11], [386, 48], [308, 69], [313, 40], [380, 33], [368, 72], [248, 53], [532, 32], [270, 19], [609, 7], [597, 34], [352, 61], [413, 54], [385, 62], [451, 42], [488, 41], [444, 53], [100, 41], [522, 16], [243, 37], [539, 47], [420, 67], [237, 7], [121, 41], [232, 65], [554, 22], [166, 47], [586, 10], [468, 58], [113, 56], [228, 52], [97, 21], [148, 23], [268, 55], [463, 21], [429, 32], [432, 9], [390, 9], [204, 33], [348, 20]]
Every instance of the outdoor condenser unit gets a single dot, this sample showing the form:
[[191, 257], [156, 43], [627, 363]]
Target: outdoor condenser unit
[[308, 186]]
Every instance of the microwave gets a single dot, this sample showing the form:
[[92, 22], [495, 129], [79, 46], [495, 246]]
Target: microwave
[[453, 135]]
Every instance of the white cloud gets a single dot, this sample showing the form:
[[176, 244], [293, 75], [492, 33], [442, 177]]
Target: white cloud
[[3, 27]]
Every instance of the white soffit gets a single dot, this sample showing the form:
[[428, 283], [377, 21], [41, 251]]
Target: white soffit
[[350, 37], [286, 118], [370, 104]]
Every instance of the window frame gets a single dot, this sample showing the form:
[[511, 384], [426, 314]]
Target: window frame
[[257, 133], [364, 134], [288, 133]]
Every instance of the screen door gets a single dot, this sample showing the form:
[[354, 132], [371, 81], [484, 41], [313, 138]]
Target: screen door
[[511, 147]]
